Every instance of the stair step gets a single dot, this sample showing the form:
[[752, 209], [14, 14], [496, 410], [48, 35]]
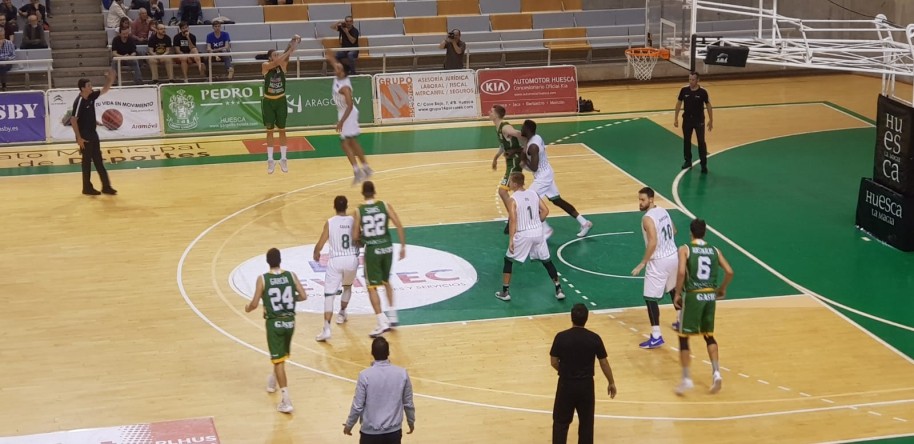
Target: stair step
[[85, 63], [66, 8], [62, 54]]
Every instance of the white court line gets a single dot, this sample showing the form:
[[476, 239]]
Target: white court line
[[584, 270]]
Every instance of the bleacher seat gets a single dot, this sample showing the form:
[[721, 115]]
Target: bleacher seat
[[478, 23], [559, 33], [428, 40], [448, 8], [323, 29], [335, 12], [571, 5], [245, 31], [511, 21], [373, 9], [633, 16], [33, 54], [285, 13], [243, 14], [540, 5], [609, 31], [370, 28], [390, 41], [594, 18], [280, 31], [226, 3], [425, 25], [545, 20], [482, 42], [509, 45], [261, 46], [499, 6], [416, 8]]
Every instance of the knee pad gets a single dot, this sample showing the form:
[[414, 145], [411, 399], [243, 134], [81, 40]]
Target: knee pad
[[328, 303], [710, 340], [347, 294], [684, 343], [508, 266]]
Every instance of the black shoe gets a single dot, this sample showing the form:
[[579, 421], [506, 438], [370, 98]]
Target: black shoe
[[704, 170], [109, 190], [506, 228], [687, 165], [92, 192]]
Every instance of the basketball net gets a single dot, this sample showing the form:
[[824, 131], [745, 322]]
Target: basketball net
[[642, 61]]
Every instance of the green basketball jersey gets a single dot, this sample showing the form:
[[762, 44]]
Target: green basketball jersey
[[512, 149], [274, 82], [373, 218], [278, 295], [701, 267]]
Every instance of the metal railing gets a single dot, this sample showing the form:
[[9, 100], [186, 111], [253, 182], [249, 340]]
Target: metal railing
[[47, 68]]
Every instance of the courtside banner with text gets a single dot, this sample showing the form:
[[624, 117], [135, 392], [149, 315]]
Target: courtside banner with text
[[121, 113], [22, 117], [432, 95], [525, 91], [235, 106]]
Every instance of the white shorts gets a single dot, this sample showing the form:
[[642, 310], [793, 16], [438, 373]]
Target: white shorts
[[529, 245], [340, 271], [545, 188], [351, 125], [660, 276]]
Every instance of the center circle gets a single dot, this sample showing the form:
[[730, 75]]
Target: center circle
[[426, 276], [561, 255]]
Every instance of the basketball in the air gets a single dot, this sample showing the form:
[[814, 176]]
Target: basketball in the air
[[112, 119]]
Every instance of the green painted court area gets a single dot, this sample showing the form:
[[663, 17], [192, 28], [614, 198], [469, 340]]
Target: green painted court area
[[613, 247]]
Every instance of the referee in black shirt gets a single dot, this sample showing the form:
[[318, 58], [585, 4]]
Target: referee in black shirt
[[84, 123], [572, 354], [695, 98]]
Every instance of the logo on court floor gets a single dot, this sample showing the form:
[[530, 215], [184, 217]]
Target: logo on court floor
[[425, 277]]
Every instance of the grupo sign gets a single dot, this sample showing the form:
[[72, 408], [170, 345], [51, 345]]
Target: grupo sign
[[427, 95], [525, 91]]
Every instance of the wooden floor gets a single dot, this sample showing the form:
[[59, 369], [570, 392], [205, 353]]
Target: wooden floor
[[119, 309]]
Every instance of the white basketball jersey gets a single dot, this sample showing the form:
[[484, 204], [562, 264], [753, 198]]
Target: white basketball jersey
[[544, 171], [341, 236], [666, 244], [340, 99], [528, 210]]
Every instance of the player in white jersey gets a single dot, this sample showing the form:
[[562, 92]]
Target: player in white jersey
[[525, 228], [536, 160], [660, 258], [342, 266], [348, 123]]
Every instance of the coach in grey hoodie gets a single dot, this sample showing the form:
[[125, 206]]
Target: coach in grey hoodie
[[382, 394]]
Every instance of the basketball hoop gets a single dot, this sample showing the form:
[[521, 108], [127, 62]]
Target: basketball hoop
[[643, 60]]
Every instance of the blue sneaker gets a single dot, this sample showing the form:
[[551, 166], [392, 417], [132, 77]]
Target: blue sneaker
[[675, 326], [652, 343]]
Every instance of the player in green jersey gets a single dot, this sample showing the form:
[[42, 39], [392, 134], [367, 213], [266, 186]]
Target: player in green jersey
[[698, 269], [371, 231], [509, 147], [273, 106], [279, 290]]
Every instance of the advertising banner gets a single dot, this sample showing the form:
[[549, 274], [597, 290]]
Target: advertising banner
[[526, 91], [894, 155], [122, 113], [200, 430], [882, 213], [22, 117], [235, 106], [432, 95]]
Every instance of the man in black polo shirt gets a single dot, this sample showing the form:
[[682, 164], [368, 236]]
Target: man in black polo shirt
[[349, 42], [695, 98], [84, 123], [572, 354]]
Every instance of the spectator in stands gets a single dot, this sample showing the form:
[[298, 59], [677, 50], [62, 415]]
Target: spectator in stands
[[8, 27], [275, 2], [349, 38], [10, 13], [116, 12], [36, 9], [160, 44], [33, 35], [157, 11], [140, 4], [454, 48], [191, 11], [186, 43], [124, 44], [220, 42], [141, 27], [7, 53], [125, 23]]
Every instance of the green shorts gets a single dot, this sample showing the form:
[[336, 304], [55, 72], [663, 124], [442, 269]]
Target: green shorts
[[507, 178], [279, 338], [275, 112], [378, 261], [697, 316]]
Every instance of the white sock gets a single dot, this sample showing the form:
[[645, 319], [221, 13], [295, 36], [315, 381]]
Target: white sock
[[285, 394], [270, 152], [365, 166], [655, 331], [355, 169], [282, 152], [581, 219], [327, 325], [382, 319]]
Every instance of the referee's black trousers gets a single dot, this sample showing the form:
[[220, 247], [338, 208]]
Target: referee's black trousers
[[699, 129], [571, 395], [93, 154]]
